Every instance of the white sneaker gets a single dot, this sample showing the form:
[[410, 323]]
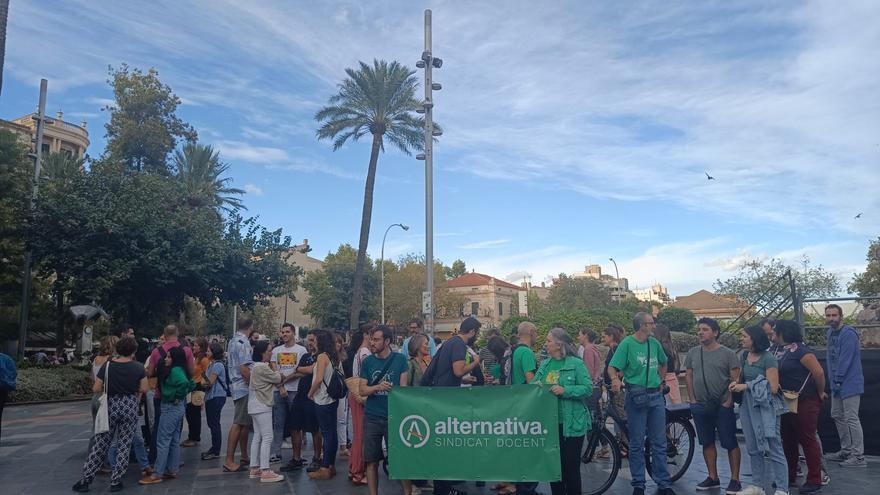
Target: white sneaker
[[271, 477], [751, 490], [780, 492]]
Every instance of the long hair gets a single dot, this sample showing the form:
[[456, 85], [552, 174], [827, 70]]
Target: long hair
[[340, 342], [203, 347], [216, 351], [415, 343], [178, 360], [614, 331], [108, 345], [259, 349], [760, 342], [661, 332], [566, 344], [497, 346], [327, 344]]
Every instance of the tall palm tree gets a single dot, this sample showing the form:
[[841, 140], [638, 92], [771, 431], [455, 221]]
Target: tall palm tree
[[200, 174], [4, 17], [60, 167], [378, 100]]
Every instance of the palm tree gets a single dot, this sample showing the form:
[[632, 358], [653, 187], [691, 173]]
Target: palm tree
[[379, 100], [199, 172], [4, 17], [61, 167]]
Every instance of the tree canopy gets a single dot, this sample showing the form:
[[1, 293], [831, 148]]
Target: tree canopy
[[577, 293], [867, 283], [677, 319], [755, 278]]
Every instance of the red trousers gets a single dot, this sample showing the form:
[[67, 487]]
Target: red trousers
[[356, 459], [800, 429]]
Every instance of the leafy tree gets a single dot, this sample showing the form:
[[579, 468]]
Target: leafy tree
[[867, 283], [379, 100], [16, 172], [404, 283], [575, 293], [143, 127], [677, 319], [330, 290], [755, 278], [457, 269], [60, 167], [200, 175]]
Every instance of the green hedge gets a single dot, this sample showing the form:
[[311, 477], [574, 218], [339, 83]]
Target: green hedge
[[58, 382], [571, 321]]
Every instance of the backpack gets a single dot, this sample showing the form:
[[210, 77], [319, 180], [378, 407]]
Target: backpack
[[507, 366], [160, 368], [336, 389]]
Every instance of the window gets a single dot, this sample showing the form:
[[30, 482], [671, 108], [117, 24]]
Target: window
[[500, 309], [475, 308], [45, 149]]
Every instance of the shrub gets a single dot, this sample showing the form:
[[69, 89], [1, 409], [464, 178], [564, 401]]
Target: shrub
[[59, 382], [677, 319], [684, 342], [571, 321]]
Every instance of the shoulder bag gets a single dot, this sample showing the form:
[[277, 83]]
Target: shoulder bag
[[353, 383], [102, 418], [790, 396]]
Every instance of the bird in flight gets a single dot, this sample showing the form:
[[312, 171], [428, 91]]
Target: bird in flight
[[859, 216], [709, 177]]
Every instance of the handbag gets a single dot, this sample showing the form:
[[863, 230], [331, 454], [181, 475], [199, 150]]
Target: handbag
[[638, 397], [102, 418], [791, 397], [197, 398], [354, 388]]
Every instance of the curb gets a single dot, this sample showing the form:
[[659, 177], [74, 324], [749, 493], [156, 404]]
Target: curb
[[57, 401]]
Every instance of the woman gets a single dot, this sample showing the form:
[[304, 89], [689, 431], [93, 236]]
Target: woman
[[612, 336], [419, 357], [215, 399], [500, 350], [760, 392], [106, 350], [661, 332], [175, 384], [325, 406], [194, 412], [800, 371], [126, 381], [261, 389], [342, 407], [566, 375], [356, 466]]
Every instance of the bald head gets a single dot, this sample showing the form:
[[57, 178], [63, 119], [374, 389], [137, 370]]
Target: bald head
[[527, 332]]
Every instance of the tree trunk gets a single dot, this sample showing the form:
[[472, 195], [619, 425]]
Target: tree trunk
[[4, 17], [357, 292], [60, 343]]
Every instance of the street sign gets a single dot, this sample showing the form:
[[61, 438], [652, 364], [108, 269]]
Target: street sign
[[426, 303], [524, 303]]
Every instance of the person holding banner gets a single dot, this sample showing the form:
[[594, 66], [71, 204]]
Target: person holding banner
[[641, 359], [379, 373], [570, 382]]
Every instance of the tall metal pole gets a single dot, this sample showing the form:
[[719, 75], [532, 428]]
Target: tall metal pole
[[28, 257], [429, 177], [616, 279], [382, 264]]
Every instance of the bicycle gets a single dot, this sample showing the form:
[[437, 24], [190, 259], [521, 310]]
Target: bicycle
[[599, 473]]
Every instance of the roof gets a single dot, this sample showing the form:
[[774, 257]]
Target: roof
[[703, 299], [474, 279]]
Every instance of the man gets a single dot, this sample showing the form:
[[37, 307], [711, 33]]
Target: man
[[711, 368], [304, 420], [239, 359], [169, 340], [844, 365], [641, 359], [286, 358], [416, 326], [8, 374], [124, 330], [380, 372], [522, 371], [451, 365]]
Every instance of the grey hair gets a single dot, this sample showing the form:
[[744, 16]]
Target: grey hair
[[639, 320], [566, 344], [526, 328]]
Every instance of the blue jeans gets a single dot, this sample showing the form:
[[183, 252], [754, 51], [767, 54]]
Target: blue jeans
[[280, 411], [327, 422], [213, 408], [168, 438], [648, 419], [769, 467], [137, 445]]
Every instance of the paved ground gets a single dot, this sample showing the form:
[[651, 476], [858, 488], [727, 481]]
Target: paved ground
[[44, 446]]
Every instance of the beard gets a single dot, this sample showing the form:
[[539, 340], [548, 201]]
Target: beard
[[472, 340]]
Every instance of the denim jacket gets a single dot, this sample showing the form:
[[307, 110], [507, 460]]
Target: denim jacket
[[575, 378], [764, 411], [8, 372], [844, 363]]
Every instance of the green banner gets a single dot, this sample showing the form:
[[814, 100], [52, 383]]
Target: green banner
[[498, 433]]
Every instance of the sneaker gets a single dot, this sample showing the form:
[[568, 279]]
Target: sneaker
[[293, 465], [115, 487], [189, 443], [838, 456], [780, 492], [254, 473], [150, 480], [733, 487], [752, 490], [854, 461], [275, 459], [603, 453], [270, 476], [825, 477], [808, 488], [638, 491], [708, 484], [314, 466], [81, 487], [321, 474]]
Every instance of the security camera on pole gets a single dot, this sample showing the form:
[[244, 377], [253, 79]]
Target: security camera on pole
[[429, 62]]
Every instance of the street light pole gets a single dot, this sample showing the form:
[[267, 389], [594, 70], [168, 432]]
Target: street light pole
[[382, 263], [616, 279], [26, 269]]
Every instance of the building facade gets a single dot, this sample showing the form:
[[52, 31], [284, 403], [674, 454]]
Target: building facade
[[707, 304], [59, 136], [289, 308], [654, 293], [487, 298], [618, 288]]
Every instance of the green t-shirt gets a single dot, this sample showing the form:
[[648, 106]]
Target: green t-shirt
[[495, 371], [631, 358], [759, 367], [377, 404], [523, 361], [552, 378]]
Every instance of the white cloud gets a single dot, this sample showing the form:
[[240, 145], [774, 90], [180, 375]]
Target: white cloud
[[253, 189], [240, 150], [485, 244]]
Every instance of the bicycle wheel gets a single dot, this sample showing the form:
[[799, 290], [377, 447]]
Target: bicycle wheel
[[680, 441], [599, 466]]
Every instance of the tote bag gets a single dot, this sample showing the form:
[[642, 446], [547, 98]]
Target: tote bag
[[102, 419]]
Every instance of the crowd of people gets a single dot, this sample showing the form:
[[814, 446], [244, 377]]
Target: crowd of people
[[291, 390]]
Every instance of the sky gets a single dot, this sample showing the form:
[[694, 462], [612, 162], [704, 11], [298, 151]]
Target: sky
[[574, 132]]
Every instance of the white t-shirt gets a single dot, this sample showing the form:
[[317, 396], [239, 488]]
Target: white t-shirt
[[287, 359], [362, 354]]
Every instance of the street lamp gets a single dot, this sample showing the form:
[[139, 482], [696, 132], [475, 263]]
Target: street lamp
[[616, 279], [382, 263]]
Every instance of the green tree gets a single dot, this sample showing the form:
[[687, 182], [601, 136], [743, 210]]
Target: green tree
[[378, 100], [143, 127], [755, 278], [16, 172], [677, 319], [61, 167], [576, 293], [457, 269], [867, 283], [200, 173], [330, 289], [404, 282]]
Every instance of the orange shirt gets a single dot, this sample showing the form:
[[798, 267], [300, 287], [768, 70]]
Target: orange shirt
[[200, 367]]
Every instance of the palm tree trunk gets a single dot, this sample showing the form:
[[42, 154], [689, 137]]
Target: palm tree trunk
[[4, 17], [357, 292]]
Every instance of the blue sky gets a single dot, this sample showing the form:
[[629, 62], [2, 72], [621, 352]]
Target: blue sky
[[574, 131]]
